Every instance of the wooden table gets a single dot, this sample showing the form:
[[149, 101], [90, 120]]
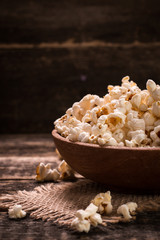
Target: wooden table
[[19, 156]]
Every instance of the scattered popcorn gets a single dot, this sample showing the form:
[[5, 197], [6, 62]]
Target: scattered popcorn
[[45, 173], [85, 218], [127, 210], [109, 121], [16, 212], [66, 172], [81, 226], [63, 172], [103, 202]]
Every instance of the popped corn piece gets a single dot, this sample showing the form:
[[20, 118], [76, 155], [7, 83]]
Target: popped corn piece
[[125, 79], [155, 136], [150, 85], [127, 210], [132, 206], [153, 89], [149, 119], [83, 137], [156, 94], [107, 139], [74, 133], [81, 214], [131, 143], [103, 202], [136, 100], [69, 111], [87, 217], [157, 123], [91, 209], [77, 111], [102, 119], [121, 144], [156, 109], [93, 113], [111, 142], [81, 226], [101, 141], [86, 103], [143, 107], [116, 92], [123, 210], [99, 129], [93, 139], [107, 98], [16, 212], [98, 101], [86, 127], [96, 219], [131, 115], [136, 124], [87, 117], [66, 172], [116, 120], [119, 135], [45, 173], [137, 137]]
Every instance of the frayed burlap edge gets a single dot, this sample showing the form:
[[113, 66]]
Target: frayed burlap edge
[[60, 201]]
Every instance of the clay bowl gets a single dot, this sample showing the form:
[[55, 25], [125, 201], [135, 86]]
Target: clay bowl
[[123, 168]]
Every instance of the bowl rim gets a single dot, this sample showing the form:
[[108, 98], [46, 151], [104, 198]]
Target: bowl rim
[[91, 145]]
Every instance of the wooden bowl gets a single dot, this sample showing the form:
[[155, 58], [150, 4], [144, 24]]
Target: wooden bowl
[[120, 168]]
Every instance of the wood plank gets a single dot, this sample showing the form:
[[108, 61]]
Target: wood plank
[[28, 228], [27, 145], [21, 154], [146, 225], [57, 21], [38, 85]]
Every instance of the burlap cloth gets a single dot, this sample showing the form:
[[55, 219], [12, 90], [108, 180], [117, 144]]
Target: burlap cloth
[[59, 201]]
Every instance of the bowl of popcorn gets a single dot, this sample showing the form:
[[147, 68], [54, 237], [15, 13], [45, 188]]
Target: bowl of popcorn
[[115, 139]]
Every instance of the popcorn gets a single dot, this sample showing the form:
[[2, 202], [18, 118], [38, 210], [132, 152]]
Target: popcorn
[[74, 133], [136, 124], [66, 172], [149, 119], [127, 210], [150, 85], [156, 109], [85, 218], [119, 135], [81, 226], [116, 120], [153, 89], [87, 128], [103, 202], [108, 121], [16, 212], [155, 136], [83, 137], [138, 138], [45, 173], [136, 100]]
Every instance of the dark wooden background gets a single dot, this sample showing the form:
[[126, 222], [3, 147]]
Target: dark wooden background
[[53, 52]]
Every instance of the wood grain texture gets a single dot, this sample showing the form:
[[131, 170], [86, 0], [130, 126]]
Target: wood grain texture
[[57, 21], [38, 85], [146, 225]]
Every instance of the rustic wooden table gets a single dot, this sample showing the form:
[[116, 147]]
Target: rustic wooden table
[[19, 156]]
